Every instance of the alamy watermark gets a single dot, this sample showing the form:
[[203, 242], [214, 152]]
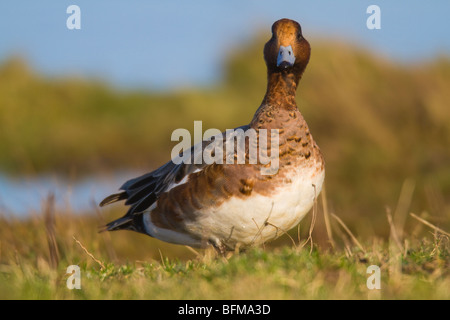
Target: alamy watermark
[[374, 280], [74, 20], [74, 280], [374, 20]]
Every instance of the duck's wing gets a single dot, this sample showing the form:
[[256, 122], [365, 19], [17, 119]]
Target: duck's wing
[[141, 192]]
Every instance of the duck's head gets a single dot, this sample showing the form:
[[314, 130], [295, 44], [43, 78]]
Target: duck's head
[[287, 51]]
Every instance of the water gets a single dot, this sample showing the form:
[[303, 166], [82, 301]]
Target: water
[[25, 196]]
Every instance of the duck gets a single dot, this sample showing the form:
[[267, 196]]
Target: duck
[[237, 205]]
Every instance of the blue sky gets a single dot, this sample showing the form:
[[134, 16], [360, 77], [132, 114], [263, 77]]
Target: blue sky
[[167, 44]]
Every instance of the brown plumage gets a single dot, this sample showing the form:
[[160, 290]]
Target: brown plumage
[[230, 204]]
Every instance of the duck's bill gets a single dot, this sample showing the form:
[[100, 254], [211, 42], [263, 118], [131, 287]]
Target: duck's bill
[[286, 58]]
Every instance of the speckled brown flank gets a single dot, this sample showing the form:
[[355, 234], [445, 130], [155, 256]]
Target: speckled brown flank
[[246, 186]]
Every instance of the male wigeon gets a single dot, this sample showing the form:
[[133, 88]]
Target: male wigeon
[[228, 205]]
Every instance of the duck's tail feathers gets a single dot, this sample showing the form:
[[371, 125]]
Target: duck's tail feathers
[[114, 198], [127, 222]]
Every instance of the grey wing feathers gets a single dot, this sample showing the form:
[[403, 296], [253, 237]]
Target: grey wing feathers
[[141, 192]]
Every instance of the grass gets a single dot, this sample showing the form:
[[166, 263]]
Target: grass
[[36, 252], [258, 274]]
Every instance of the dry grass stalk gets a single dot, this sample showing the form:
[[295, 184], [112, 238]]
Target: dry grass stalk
[[326, 217], [102, 266], [342, 224], [162, 259], [283, 231], [265, 224], [49, 218], [393, 231], [401, 211], [313, 222], [397, 223], [106, 235], [197, 254], [259, 230], [425, 222]]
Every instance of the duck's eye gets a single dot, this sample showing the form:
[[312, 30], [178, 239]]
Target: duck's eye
[[299, 36]]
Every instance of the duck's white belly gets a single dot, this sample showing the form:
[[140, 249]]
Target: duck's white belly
[[260, 218]]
